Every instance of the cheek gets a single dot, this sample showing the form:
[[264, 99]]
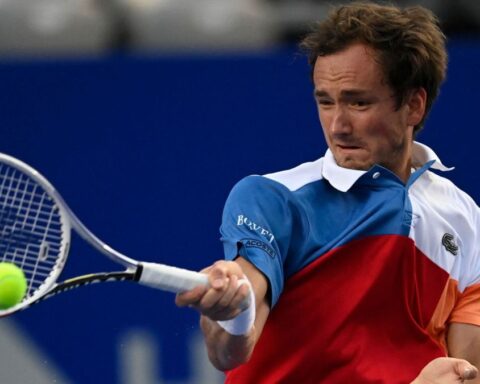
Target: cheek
[[383, 129], [322, 117], [371, 129], [324, 123], [378, 131], [387, 138]]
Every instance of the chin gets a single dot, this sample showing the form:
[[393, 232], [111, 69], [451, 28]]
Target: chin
[[355, 164]]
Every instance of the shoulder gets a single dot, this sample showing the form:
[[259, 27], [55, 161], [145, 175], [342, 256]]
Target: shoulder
[[285, 181], [299, 176], [448, 210], [275, 192], [445, 192]]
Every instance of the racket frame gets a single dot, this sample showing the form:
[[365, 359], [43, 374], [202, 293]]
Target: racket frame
[[68, 221], [160, 276]]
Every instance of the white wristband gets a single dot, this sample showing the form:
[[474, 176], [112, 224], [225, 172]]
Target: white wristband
[[243, 322]]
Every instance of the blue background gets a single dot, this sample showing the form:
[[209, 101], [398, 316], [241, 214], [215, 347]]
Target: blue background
[[145, 151]]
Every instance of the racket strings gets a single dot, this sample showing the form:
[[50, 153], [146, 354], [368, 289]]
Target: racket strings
[[30, 227]]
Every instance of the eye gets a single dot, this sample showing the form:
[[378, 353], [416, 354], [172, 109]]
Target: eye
[[324, 102], [360, 104]]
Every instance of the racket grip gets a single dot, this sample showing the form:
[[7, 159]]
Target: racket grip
[[171, 279], [176, 280]]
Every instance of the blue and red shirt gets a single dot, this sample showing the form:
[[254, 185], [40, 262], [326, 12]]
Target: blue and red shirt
[[365, 272]]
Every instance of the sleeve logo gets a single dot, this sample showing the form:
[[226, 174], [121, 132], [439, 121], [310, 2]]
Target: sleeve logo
[[252, 243], [244, 220], [448, 241]]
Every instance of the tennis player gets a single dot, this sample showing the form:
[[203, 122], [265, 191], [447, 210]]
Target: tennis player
[[363, 265]]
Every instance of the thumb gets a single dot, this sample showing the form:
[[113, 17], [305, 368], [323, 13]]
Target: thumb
[[469, 372]]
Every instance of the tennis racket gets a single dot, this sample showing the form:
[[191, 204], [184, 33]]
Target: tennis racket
[[35, 232]]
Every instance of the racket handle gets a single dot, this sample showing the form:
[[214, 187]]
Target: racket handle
[[171, 279], [176, 280]]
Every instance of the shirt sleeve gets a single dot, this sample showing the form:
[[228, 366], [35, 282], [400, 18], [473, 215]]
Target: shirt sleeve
[[257, 225], [467, 305], [470, 232]]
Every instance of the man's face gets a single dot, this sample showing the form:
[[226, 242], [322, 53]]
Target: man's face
[[358, 113]]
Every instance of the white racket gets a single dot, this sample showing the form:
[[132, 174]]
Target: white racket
[[35, 229]]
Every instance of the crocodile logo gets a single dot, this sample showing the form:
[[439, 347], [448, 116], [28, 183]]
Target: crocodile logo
[[448, 241]]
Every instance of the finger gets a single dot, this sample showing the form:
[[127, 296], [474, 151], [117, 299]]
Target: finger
[[218, 276], [241, 296], [206, 270], [226, 314], [190, 298], [223, 308], [206, 305], [218, 300], [221, 287], [229, 293], [464, 369], [469, 373], [236, 305]]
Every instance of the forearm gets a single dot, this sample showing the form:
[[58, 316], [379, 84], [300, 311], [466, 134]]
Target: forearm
[[464, 343], [222, 301], [226, 351]]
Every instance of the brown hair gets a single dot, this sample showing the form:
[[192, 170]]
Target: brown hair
[[409, 44]]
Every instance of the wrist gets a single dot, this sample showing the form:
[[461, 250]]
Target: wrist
[[242, 324]]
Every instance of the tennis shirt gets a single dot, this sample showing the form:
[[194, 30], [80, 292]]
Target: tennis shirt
[[365, 272]]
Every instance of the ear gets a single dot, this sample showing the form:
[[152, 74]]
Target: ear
[[416, 106]]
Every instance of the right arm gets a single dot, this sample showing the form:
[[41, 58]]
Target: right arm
[[221, 301], [257, 210]]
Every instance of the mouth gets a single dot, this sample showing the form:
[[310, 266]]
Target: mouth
[[348, 147]]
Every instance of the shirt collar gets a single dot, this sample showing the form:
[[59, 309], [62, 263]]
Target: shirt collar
[[422, 154], [344, 178]]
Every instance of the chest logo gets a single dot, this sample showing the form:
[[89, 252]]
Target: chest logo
[[448, 241]]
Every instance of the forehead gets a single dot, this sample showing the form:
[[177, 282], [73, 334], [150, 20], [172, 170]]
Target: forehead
[[355, 66]]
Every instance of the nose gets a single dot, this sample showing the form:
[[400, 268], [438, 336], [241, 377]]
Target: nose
[[340, 123]]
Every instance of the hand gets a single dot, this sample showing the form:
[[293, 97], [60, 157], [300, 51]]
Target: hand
[[446, 370], [222, 299]]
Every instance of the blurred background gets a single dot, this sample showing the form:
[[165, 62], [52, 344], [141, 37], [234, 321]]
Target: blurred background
[[144, 114], [101, 27]]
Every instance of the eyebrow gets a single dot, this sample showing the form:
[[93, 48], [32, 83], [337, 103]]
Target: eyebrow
[[345, 93]]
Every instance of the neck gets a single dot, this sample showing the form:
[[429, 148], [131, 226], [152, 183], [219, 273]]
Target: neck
[[403, 162]]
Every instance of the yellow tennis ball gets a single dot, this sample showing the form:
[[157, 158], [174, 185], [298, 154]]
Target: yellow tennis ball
[[13, 285]]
